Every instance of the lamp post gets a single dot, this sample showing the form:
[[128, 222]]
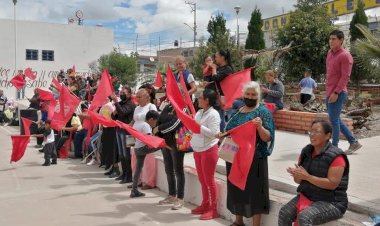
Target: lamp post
[[237, 9], [15, 33]]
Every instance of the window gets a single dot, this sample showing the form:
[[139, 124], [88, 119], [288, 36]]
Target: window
[[283, 21], [48, 55], [275, 23], [267, 25], [350, 4], [31, 54]]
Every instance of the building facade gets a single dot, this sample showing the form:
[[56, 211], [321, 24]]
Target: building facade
[[47, 48]]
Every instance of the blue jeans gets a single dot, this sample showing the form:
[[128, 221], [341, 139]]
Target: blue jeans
[[222, 119], [121, 142], [334, 110], [78, 142], [93, 142]]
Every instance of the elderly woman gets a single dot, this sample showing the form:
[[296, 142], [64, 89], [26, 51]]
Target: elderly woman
[[322, 175], [205, 146], [254, 200], [275, 92]]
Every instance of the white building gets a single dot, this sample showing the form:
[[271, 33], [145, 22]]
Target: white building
[[47, 48]]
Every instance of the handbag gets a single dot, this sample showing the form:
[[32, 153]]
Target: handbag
[[183, 137], [228, 149]]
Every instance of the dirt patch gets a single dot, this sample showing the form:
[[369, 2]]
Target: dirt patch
[[373, 123]]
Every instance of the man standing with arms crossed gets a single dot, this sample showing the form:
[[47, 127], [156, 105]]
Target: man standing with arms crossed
[[338, 70]]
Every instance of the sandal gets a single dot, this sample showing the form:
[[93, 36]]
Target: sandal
[[236, 224]]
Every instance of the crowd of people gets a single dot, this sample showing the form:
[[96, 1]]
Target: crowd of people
[[321, 172]]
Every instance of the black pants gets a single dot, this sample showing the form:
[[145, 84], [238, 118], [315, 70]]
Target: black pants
[[40, 140], [305, 98], [173, 161], [60, 141], [317, 213], [49, 152], [109, 146]]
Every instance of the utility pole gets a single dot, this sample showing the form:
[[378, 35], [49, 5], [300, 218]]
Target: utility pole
[[193, 6], [15, 33]]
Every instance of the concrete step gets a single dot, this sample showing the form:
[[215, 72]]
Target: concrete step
[[277, 197]]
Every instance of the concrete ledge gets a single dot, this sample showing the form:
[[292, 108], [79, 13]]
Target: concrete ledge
[[277, 196]]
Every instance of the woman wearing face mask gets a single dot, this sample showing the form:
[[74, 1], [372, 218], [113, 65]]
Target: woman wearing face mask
[[254, 200]]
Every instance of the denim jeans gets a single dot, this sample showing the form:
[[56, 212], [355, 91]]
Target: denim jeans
[[78, 142], [94, 143], [334, 110], [222, 119], [173, 161], [121, 142]]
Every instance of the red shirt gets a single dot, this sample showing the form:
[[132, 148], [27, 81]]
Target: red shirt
[[338, 161], [208, 72], [338, 71]]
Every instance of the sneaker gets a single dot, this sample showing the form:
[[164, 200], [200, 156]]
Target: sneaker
[[168, 200], [54, 162], [92, 162], [353, 147], [84, 161], [136, 194], [46, 163], [178, 204], [211, 214]]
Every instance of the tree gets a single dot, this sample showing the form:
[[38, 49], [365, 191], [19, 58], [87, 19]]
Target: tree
[[367, 51], [255, 39], [120, 65], [359, 72], [220, 38], [308, 29]]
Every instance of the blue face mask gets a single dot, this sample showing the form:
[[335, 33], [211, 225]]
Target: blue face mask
[[250, 102]]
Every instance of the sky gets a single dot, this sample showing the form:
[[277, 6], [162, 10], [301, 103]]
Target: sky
[[153, 23]]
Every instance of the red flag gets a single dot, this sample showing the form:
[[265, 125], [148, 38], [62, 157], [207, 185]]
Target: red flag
[[51, 108], [29, 73], [151, 141], [18, 81], [45, 95], [56, 83], [98, 119], [158, 81], [232, 86], [189, 102], [175, 97], [26, 122], [19, 143], [245, 137], [270, 106], [67, 106], [104, 90]]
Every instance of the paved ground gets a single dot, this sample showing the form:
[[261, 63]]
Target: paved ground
[[74, 194]]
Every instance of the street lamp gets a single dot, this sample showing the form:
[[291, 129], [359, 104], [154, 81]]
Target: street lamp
[[15, 33], [237, 9]]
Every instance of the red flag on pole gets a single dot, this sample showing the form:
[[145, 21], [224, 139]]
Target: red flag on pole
[[175, 97], [104, 90], [18, 81], [245, 137], [45, 95], [26, 123], [189, 102], [151, 141], [158, 81], [19, 143], [29, 73], [67, 106], [232, 86], [98, 119], [51, 108], [56, 83], [271, 107]]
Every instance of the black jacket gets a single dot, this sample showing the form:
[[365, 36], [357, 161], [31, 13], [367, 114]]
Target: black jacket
[[221, 73], [125, 110], [168, 124]]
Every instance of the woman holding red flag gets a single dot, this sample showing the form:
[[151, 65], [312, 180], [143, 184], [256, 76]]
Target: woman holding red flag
[[205, 146], [220, 70], [254, 199]]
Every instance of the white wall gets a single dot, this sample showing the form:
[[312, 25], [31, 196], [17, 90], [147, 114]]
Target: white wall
[[72, 45]]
